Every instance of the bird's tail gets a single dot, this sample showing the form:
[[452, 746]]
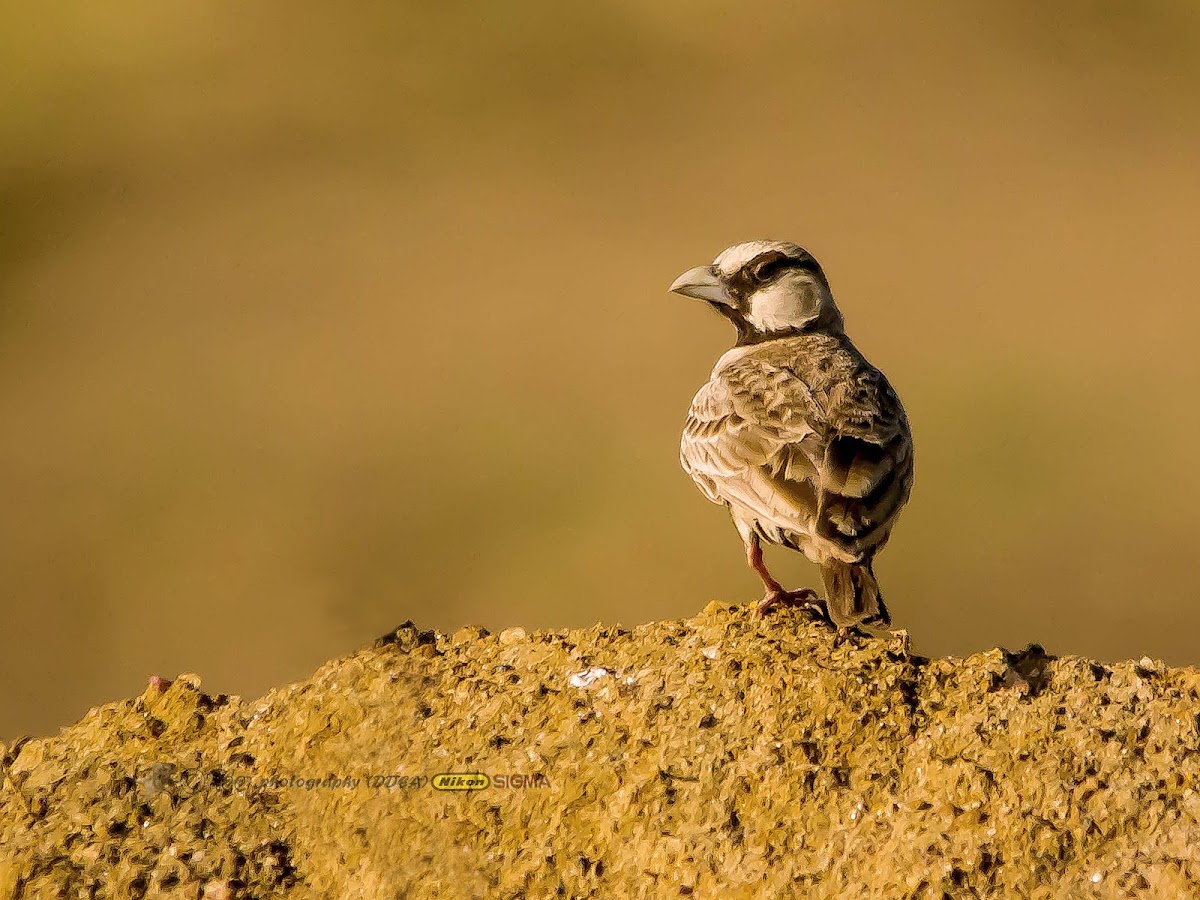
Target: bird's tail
[[852, 595]]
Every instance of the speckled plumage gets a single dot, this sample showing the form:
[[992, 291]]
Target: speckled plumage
[[802, 439]]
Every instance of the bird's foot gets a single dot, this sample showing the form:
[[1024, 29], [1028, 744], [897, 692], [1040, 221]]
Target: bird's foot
[[805, 598]]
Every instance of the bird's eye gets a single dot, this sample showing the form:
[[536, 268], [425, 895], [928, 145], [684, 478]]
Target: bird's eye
[[764, 271]]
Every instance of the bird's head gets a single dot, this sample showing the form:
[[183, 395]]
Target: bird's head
[[768, 289]]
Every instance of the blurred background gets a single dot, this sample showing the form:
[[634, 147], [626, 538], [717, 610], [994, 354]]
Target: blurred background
[[316, 319]]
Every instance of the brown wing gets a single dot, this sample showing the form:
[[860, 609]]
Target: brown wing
[[835, 466], [868, 463], [750, 441]]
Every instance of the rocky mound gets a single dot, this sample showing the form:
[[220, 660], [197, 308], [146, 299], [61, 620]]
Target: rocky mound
[[719, 756]]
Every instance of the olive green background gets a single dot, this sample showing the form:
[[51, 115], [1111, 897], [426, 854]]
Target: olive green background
[[316, 319]]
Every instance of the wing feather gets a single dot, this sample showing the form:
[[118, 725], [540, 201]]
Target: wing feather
[[832, 465]]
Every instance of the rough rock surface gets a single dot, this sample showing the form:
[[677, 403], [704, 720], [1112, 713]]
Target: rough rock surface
[[720, 756]]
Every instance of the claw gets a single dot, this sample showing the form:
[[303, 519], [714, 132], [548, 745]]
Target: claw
[[806, 598]]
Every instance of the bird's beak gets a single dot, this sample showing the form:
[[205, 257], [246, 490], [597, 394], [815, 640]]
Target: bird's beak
[[703, 284]]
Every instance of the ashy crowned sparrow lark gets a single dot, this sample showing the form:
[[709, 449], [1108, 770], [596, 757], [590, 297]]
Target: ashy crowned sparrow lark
[[802, 438]]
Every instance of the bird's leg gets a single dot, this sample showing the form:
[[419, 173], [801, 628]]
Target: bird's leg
[[754, 557], [775, 594]]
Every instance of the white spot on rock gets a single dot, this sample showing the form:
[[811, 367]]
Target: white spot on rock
[[588, 677]]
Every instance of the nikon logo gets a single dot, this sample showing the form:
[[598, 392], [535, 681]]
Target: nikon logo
[[461, 781]]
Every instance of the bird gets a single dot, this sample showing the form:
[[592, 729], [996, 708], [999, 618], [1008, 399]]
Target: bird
[[804, 441]]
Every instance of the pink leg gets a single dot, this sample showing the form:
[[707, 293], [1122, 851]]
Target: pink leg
[[775, 594]]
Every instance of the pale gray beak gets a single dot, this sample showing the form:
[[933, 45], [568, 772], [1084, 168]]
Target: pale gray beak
[[702, 283]]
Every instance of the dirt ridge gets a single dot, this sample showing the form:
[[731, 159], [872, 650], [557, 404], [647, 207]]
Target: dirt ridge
[[720, 755]]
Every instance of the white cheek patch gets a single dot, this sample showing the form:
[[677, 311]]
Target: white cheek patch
[[780, 306]]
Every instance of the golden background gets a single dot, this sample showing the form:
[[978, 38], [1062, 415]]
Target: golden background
[[313, 320]]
